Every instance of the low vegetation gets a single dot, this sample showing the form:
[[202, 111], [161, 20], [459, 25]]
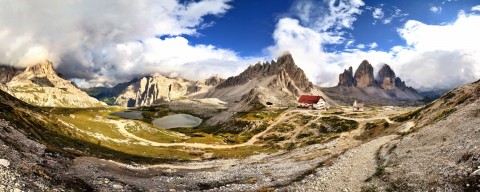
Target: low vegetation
[[336, 125]]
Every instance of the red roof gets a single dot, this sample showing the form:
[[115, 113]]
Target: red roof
[[309, 99]]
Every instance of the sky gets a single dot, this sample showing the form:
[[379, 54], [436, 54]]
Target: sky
[[431, 44]]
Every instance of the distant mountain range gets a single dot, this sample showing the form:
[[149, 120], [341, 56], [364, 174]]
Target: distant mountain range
[[384, 89], [279, 82]]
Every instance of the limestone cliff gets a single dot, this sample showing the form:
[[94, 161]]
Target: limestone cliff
[[152, 90], [40, 85], [364, 75], [386, 78], [346, 78], [385, 89], [279, 82]]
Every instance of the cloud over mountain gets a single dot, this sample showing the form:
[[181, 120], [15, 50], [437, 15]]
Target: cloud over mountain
[[435, 56], [110, 40]]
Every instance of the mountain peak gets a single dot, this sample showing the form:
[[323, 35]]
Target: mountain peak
[[284, 65], [364, 75], [386, 77], [41, 68], [286, 57], [346, 78]]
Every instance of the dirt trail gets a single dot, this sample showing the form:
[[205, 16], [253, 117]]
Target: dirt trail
[[348, 172]]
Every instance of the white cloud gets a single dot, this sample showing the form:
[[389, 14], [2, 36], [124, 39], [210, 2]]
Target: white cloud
[[435, 9], [476, 8], [386, 14], [88, 39], [435, 56], [305, 38], [328, 17], [373, 45], [378, 13], [361, 46]]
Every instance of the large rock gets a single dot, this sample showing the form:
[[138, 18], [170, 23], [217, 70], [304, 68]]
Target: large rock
[[364, 75], [346, 78], [40, 85], [386, 78], [153, 89]]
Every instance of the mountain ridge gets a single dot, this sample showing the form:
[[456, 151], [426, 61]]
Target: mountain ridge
[[40, 85]]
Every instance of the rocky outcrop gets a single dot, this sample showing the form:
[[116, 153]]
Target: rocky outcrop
[[364, 75], [346, 78], [7, 73], [153, 89], [205, 84], [386, 78], [385, 89], [284, 71], [279, 82], [40, 85]]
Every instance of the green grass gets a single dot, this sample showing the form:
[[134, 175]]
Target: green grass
[[371, 125], [407, 116], [244, 136], [336, 124], [283, 127]]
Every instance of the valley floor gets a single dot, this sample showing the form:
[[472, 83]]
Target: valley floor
[[297, 150]]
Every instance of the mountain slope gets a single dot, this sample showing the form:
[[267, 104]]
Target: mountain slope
[[385, 89], [441, 152], [279, 82], [152, 90], [109, 94], [40, 85]]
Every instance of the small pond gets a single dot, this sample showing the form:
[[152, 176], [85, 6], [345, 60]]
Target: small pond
[[177, 120], [129, 114]]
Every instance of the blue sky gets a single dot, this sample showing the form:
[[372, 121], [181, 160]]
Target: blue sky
[[247, 28], [430, 44]]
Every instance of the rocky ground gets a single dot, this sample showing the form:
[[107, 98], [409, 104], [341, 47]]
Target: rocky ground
[[26, 165], [347, 173]]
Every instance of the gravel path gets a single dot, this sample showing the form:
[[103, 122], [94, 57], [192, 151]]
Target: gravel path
[[347, 173]]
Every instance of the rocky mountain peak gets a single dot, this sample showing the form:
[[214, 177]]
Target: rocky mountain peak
[[41, 68], [364, 75], [346, 78], [213, 80], [386, 77], [285, 65]]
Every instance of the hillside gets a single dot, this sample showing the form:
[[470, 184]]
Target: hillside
[[441, 152], [40, 85], [280, 82], [383, 89]]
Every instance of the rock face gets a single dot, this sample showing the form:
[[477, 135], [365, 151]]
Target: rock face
[[346, 78], [279, 82], [364, 75], [7, 73], [109, 94], [386, 78], [286, 74], [153, 90], [205, 84], [40, 85], [385, 89]]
